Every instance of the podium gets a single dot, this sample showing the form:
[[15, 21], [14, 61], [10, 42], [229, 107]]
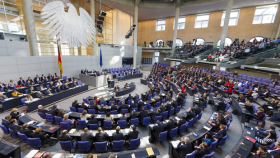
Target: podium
[[111, 84]]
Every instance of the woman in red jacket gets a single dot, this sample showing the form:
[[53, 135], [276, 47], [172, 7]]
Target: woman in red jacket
[[95, 99], [19, 85], [183, 89]]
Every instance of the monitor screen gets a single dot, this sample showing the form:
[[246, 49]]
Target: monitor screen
[[127, 61]]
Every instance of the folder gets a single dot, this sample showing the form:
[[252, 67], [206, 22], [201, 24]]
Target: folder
[[72, 130], [150, 151], [51, 128], [250, 139]]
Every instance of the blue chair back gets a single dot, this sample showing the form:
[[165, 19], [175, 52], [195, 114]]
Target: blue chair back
[[49, 118], [190, 123], [120, 102], [137, 100], [146, 121], [195, 120], [65, 125], [23, 138], [101, 112], [183, 128], [100, 146], [164, 114], [57, 120], [110, 102], [93, 126], [86, 100], [122, 123], [73, 109], [34, 143], [134, 121], [23, 101], [191, 155], [157, 104], [107, 124], [5, 130], [149, 107], [162, 136], [149, 96], [213, 145], [173, 132], [129, 101], [171, 112], [66, 145], [209, 155], [136, 109], [83, 146], [124, 110], [223, 140], [82, 124], [178, 109], [102, 102], [114, 112], [118, 145], [91, 111], [154, 94], [134, 143], [42, 115], [80, 110], [157, 118]]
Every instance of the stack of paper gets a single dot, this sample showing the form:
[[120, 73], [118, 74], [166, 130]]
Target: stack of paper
[[207, 128], [57, 155], [31, 154], [150, 151], [175, 143], [72, 131]]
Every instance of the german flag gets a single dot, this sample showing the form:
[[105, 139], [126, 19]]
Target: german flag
[[59, 61]]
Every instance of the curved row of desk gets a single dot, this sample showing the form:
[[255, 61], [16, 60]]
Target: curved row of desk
[[125, 91]]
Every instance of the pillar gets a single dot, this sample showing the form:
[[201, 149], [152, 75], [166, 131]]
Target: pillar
[[176, 25], [135, 35], [92, 14], [30, 25], [226, 21]]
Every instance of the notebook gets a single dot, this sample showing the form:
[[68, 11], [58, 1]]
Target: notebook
[[250, 139], [51, 128], [150, 151]]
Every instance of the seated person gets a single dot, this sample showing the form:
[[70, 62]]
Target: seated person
[[133, 133], [275, 152], [241, 98], [221, 133], [158, 128], [83, 115], [39, 134], [39, 94], [190, 114], [14, 126], [202, 150], [87, 136], [66, 119], [126, 85], [215, 125], [117, 88], [228, 116], [95, 99], [262, 133], [21, 81], [58, 89], [181, 121], [59, 83], [48, 91], [92, 120], [133, 115], [197, 110], [31, 90], [41, 87], [118, 135], [261, 153], [60, 113], [258, 116], [6, 122], [7, 88], [266, 94], [84, 105], [109, 118], [170, 124], [101, 136], [123, 117], [65, 137], [221, 105], [14, 113], [2, 97], [268, 140], [19, 85], [29, 97], [183, 148], [25, 130], [15, 93], [42, 110], [102, 109]]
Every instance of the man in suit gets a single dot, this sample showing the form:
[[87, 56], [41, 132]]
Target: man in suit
[[113, 107], [183, 148], [101, 136], [168, 106], [181, 121], [202, 150], [92, 120], [162, 108], [21, 81], [228, 116], [58, 89], [123, 106], [42, 77], [87, 136], [54, 111], [41, 87], [133, 134], [76, 105], [140, 104], [158, 128], [42, 110], [180, 100], [136, 97], [170, 124], [128, 98], [157, 113], [65, 137], [174, 104], [221, 105], [37, 81], [66, 86], [39, 94], [222, 119], [102, 109], [7, 122], [14, 126], [143, 114], [221, 133], [132, 105], [133, 115], [118, 135], [71, 79], [123, 117], [48, 91], [25, 130], [113, 99], [91, 106], [28, 84], [262, 133], [190, 114], [276, 151], [197, 110]]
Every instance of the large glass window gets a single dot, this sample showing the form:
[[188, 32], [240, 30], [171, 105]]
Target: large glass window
[[199, 41], [228, 42], [201, 20], [233, 20], [179, 42], [258, 38], [156, 56], [265, 14], [181, 23], [160, 26], [159, 43]]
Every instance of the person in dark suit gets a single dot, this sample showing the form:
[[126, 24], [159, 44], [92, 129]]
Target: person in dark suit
[[76, 104], [140, 104], [87, 136], [133, 134], [143, 114], [183, 148], [170, 124], [84, 106], [162, 108], [133, 115], [221, 133], [202, 150], [39, 134], [42, 110], [132, 105], [48, 91], [113, 99], [276, 151], [92, 120], [102, 109], [168, 107], [123, 106], [21, 81], [128, 98], [181, 121], [203, 102], [180, 100], [215, 125], [157, 113], [65, 137], [39, 94], [117, 88], [222, 119], [54, 111], [93, 106], [101, 136], [118, 135], [197, 110], [136, 97], [14, 113], [190, 114], [58, 89], [113, 107], [221, 105], [228, 116], [123, 117], [7, 122], [60, 113], [158, 128], [36, 78], [14, 126], [25, 130]]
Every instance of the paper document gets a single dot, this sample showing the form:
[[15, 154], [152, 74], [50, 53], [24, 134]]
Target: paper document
[[177, 118], [175, 143], [98, 116], [207, 128], [72, 131], [150, 151], [57, 155], [40, 124], [30, 122]]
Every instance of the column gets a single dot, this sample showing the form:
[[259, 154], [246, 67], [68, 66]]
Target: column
[[175, 27], [226, 21], [92, 14], [30, 25], [135, 35]]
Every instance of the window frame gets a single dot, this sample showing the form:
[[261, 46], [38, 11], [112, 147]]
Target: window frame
[[180, 40], [256, 37], [199, 38], [160, 24], [262, 15], [224, 12], [224, 45], [180, 23], [202, 20]]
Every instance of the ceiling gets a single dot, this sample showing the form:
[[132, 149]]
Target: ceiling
[[149, 11]]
